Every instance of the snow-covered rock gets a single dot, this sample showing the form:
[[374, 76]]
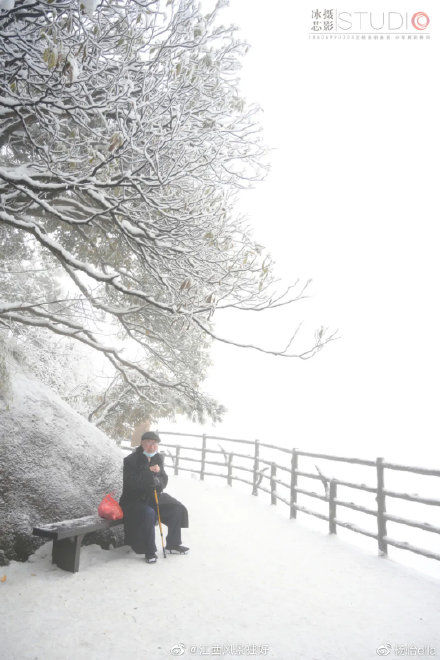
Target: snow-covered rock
[[54, 465]]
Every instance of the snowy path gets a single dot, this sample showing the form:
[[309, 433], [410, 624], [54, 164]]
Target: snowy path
[[252, 577]]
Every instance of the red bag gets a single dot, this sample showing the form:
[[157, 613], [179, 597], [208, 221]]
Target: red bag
[[110, 509]]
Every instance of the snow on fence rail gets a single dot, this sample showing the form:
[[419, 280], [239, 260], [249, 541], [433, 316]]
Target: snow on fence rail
[[330, 485]]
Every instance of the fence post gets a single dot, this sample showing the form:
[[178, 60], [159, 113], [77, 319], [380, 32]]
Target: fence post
[[202, 467], [176, 464], [293, 480], [256, 467], [273, 484], [230, 469], [332, 506], [381, 520]]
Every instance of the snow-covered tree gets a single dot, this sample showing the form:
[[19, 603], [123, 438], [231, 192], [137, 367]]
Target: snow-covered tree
[[123, 142]]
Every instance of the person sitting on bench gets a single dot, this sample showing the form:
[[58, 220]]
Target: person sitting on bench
[[143, 472]]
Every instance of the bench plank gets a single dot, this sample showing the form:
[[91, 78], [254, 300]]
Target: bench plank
[[68, 528]]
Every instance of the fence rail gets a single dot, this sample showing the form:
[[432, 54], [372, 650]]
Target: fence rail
[[269, 473]]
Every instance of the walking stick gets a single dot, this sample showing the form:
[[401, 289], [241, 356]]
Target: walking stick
[[160, 524]]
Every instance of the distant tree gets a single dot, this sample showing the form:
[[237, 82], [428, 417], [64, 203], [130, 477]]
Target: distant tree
[[123, 142]]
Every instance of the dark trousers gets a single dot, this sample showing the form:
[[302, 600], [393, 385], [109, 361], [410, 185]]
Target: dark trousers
[[140, 519]]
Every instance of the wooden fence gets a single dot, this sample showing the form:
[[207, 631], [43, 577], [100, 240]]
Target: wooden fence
[[202, 460]]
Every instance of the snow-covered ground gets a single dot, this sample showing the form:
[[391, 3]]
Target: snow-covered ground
[[252, 577]]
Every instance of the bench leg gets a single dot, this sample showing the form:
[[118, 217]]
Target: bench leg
[[65, 553]]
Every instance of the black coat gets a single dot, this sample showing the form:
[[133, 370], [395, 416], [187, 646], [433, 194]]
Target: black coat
[[138, 480]]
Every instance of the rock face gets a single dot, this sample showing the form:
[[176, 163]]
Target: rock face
[[54, 465]]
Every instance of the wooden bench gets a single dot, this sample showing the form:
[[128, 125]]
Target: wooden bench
[[67, 537]]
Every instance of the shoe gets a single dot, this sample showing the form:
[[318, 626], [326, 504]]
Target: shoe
[[151, 559], [177, 549]]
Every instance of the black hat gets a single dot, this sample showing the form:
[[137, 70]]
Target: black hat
[[149, 435]]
